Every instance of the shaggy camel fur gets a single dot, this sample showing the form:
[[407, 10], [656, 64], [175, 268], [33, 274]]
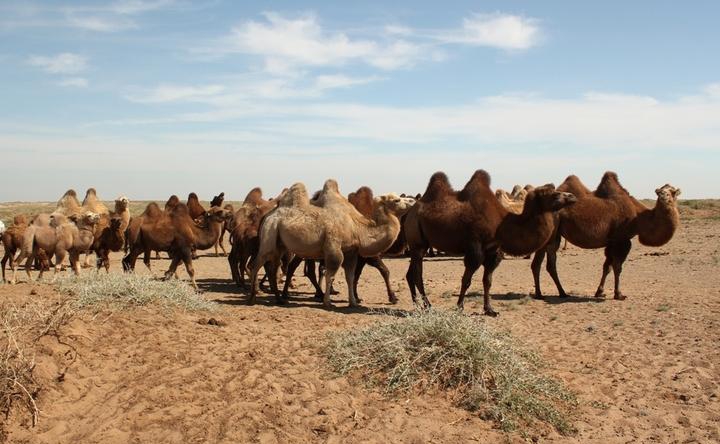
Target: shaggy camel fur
[[110, 232], [93, 204], [472, 223], [176, 233], [60, 238], [334, 231], [243, 230], [608, 218]]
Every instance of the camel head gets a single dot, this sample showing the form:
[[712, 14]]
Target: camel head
[[121, 204], [217, 201], [395, 204], [217, 214], [546, 198], [668, 194], [86, 219]]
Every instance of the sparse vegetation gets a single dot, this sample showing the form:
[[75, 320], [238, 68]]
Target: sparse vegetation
[[20, 327], [484, 370], [121, 290], [663, 308]]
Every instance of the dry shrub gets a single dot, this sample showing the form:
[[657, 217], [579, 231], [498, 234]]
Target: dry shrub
[[485, 370], [119, 290], [21, 326]]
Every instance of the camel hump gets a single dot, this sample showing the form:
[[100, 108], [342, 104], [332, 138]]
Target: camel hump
[[331, 185], [254, 196], [152, 210], [362, 200], [20, 219], [172, 202], [480, 181], [181, 210], [193, 196], [91, 192], [610, 186], [296, 195], [438, 185], [229, 207]]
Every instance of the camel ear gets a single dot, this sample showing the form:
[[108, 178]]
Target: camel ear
[[657, 191], [73, 217], [676, 193]]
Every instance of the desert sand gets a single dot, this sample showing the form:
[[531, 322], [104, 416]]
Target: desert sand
[[646, 369]]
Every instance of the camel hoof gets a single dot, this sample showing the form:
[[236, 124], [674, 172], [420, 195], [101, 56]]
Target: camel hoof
[[599, 294], [539, 297], [620, 297], [563, 295], [490, 312], [393, 300]]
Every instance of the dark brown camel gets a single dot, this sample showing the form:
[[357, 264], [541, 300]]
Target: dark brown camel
[[609, 218], [110, 232], [177, 233], [474, 224], [244, 232]]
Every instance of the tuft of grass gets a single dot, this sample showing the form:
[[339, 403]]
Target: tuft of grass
[[484, 370], [663, 308], [118, 290]]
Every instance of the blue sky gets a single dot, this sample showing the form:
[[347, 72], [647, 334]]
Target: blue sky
[[153, 97]]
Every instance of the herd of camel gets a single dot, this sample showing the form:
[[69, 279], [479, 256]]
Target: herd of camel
[[350, 232]]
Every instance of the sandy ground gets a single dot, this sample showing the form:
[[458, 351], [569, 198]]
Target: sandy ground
[[646, 369]]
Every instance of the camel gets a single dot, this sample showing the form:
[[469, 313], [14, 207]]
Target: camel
[[608, 218], [243, 230], [217, 201], [334, 231], [12, 241], [472, 223], [515, 200], [93, 204], [110, 232], [362, 199], [62, 236], [69, 204], [176, 233]]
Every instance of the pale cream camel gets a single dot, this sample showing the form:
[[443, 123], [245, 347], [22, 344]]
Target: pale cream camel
[[333, 231]]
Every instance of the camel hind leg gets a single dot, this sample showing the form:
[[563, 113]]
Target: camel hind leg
[[292, 266], [414, 276], [620, 253], [490, 263], [349, 265], [472, 260], [333, 261]]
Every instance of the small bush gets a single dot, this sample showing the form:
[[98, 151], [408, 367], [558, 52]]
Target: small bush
[[122, 290], [485, 370]]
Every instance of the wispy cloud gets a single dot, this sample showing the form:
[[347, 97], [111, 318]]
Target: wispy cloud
[[109, 23], [504, 31], [63, 63], [75, 82]]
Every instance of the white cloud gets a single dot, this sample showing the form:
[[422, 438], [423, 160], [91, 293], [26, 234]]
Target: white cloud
[[323, 82], [286, 43], [130, 7], [76, 82], [177, 93], [63, 63], [504, 31], [99, 23]]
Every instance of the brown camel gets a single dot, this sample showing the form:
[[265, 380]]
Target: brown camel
[[474, 224], [93, 204], [110, 232], [12, 240], [334, 231], [609, 218], [243, 230], [62, 236], [176, 233]]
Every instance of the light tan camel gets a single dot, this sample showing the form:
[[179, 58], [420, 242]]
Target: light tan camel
[[61, 236], [335, 232]]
